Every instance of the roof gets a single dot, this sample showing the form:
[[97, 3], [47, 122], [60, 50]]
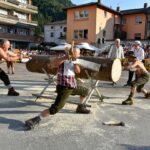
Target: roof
[[148, 10], [123, 12], [57, 22], [99, 5], [135, 11]]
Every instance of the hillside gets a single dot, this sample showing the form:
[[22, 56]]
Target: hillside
[[50, 10]]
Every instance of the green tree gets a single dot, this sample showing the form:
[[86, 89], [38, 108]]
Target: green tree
[[49, 11]]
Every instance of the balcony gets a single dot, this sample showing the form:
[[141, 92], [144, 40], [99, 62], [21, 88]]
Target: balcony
[[9, 19], [16, 5], [13, 2], [16, 37], [32, 7], [27, 22]]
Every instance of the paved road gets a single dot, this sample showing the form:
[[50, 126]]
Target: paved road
[[68, 130]]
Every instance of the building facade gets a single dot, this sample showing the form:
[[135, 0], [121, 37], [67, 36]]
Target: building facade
[[136, 23], [55, 32], [16, 22], [95, 23], [91, 23]]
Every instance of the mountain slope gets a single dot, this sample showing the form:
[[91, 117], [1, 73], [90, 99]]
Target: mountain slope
[[50, 10]]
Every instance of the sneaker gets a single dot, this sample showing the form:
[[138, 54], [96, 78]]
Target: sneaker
[[147, 95], [31, 123], [128, 101], [12, 92], [82, 109]]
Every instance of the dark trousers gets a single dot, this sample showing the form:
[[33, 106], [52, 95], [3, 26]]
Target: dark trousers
[[4, 77], [62, 95], [131, 73]]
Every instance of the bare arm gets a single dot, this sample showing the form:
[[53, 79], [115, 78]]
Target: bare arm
[[11, 54], [7, 57], [132, 66], [77, 68]]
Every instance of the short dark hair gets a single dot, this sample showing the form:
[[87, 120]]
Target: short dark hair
[[130, 54]]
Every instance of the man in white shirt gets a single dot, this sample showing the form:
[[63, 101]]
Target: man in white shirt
[[139, 53], [116, 51]]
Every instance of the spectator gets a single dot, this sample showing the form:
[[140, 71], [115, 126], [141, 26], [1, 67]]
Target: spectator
[[116, 51], [139, 53], [147, 51], [10, 64]]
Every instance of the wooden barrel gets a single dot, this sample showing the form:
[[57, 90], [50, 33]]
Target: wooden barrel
[[108, 71]]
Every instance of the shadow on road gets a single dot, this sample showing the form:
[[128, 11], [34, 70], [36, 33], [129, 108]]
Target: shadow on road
[[132, 147], [20, 103], [13, 124]]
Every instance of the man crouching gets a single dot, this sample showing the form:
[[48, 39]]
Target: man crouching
[[142, 77]]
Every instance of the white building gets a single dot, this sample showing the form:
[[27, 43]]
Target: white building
[[16, 22], [55, 32]]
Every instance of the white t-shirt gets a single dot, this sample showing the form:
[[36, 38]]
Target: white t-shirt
[[68, 68], [139, 53]]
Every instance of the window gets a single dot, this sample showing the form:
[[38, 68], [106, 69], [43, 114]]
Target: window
[[124, 21], [23, 1], [148, 25], [137, 36], [65, 29], [138, 19], [76, 16], [3, 28], [61, 34], [105, 14], [52, 34], [75, 34], [81, 34], [104, 33], [85, 34], [21, 15], [3, 12], [81, 14], [86, 14]]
